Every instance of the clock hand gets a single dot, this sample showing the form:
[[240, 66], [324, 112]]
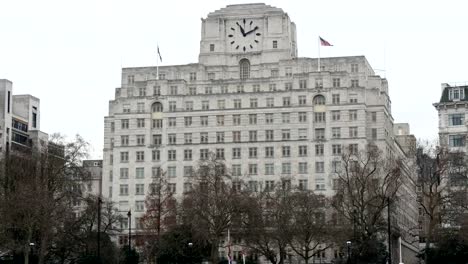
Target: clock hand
[[248, 32], [241, 29]]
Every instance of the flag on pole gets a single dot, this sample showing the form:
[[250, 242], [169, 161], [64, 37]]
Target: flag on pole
[[324, 42], [159, 53]]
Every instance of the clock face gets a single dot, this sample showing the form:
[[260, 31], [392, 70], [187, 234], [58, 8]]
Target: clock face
[[243, 35]]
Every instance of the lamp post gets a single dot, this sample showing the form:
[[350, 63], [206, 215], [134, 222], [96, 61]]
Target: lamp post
[[99, 229], [348, 244], [190, 245], [31, 246], [129, 214], [389, 231]]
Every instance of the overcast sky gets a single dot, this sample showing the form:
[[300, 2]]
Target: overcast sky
[[70, 53]]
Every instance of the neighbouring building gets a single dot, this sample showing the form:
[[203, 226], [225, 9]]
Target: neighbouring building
[[88, 185], [271, 115]]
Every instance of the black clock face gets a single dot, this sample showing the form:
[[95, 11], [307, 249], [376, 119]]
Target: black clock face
[[244, 35]]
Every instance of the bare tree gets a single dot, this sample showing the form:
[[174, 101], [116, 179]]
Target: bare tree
[[366, 182], [212, 203]]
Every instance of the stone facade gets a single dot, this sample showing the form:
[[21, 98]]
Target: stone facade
[[271, 115]]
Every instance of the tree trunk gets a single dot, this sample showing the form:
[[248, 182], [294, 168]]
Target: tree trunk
[[215, 252]]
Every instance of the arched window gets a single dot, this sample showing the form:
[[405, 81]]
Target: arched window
[[319, 100], [157, 107], [244, 68]]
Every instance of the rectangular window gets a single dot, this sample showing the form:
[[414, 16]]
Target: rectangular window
[[335, 99], [188, 138], [192, 90], [187, 154], [269, 186], [157, 140], [140, 140], [126, 108], [252, 136], [236, 153], [236, 136], [203, 137], [253, 103], [172, 171], [220, 120], [221, 104], [240, 88], [172, 187], [303, 168], [172, 121], [156, 90], [353, 149], [203, 154], [139, 206], [286, 168], [142, 91], [253, 153], [269, 118], [123, 189], [172, 106], [354, 67], [189, 106], [456, 119], [302, 84], [125, 123], [140, 189], [319, 167], [302, 99], [336, 149], [193, 76], [156, 155], [236, 120], [302, 151], [456, 140], [219, 137], [286, 151], [353, 132], [272, 87], [220, 153], [269, 169], [352, 115], [140, 156], [336, 82], [320, 133], [336, 132], [171, 155], [208, 90], [374, 133], [302, 133], [303, 185], [274, 73], [212, 47], [286, 101], [124, 156], [173, 90], [253, 119], [285, 134], [156, 123], [285, 118], [336, 115], [336, 166], [188, 171], [270, 102], [318, 83], [256, 88], [172, 139], [140, 107], [123, 173], [319, 150], [319, 117], [269, 135], [124, 140], [205, 105], [140, 122], [354, 83], [236, 170], [275, 44], [288, 72], [237, 104], [253, 170], [203, 121], [269, 152], [288, 86], [456, 93], [211, 76]]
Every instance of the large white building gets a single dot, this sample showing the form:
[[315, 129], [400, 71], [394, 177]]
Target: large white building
[[273, 116]]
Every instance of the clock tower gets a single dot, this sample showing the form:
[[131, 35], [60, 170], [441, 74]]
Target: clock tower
[[257, 32]]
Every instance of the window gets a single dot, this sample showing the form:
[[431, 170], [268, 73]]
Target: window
[[319, 100], [253, 169], [336, 132], [172, 106], [288, 86], [302, 99], [140, 140], [353, 149], [302, 133], [140, 107], [188, 171], [237, 104], [302, 117], [336, 166], [256, 88], [302, 84], [269, 118], [219, 137], [124, 156], [125, 123], [172, 121], [236, 170], [221, 104], [212, 47], [286, 101], [303, 167], [269, 152], [354, 83], [253, 103], [456, 140], [123, 173], [320, 133], [193, 76], [286, 151], [336, 115], [220, 120], [203, 154], [269, 169], [319, 117], [130, 79], [220, 153], [288, 72], [253, 119], [353, 132], [354, 67], [253, 186], [162, 76], [140, 156], [270, 102], [303, 185], [374, 133], [171, 155], [172, 139], [252, 152], [302, 151], [286, 168], [139, 206], [112, 126], [456, 93], [353, 98], [172, 171], [188, 138], [319, 149], [240, 88], [352, 115], [456, 119], [192, 90], [208, 90], [336, 82], [269, 135], [172, 187], [272, 87], [203, 137], [286, 134], [286, 118], [140, 189], [236, 120], [205, 105], [319, 83], [156, 155], [275, 44], [126, 108], [156, 90], [336, 149], [203, 121], [187, 154], [236, 136], [319, 167], [173, 90], [124, 140], [269, 186], [252, 136], [123, 189], [244, 69], [140, 122], [156, 123], [236, 153], [335, 98], [189, 106]]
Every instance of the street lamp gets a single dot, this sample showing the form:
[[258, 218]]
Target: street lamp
[[129, 214], [31, 246], [190, 245], [348, 244]]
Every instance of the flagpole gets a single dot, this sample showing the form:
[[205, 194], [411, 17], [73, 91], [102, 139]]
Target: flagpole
[[318, 69], [157, 62]]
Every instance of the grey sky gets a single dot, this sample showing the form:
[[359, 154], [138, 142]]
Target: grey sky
[[70, 53]]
